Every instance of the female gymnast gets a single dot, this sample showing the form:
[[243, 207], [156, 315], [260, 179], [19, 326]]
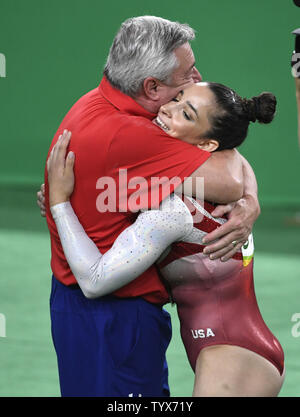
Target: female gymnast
[[229, 346]]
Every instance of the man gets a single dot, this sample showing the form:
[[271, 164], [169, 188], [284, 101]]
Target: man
[[115, 345]]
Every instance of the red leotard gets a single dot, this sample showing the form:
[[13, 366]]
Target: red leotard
[[216, 301]]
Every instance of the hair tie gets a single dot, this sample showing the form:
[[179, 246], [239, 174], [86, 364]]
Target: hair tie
[[251, 108], [256, 106]]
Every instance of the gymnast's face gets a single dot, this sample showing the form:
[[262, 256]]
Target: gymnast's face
[[186, 117]]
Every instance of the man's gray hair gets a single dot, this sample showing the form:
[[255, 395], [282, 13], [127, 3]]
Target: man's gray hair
[[144, 47]]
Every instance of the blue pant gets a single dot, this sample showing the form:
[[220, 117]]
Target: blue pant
[[109, 346]]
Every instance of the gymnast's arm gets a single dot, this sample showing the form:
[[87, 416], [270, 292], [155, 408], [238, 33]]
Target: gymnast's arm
[[135, 249], [133, 252]]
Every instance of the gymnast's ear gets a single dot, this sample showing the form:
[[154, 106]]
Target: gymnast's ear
[[209, 145]]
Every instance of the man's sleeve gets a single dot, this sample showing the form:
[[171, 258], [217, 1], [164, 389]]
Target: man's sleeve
[[148, 164]]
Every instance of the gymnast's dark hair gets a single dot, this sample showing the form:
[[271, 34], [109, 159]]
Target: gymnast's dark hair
[[231, 120]]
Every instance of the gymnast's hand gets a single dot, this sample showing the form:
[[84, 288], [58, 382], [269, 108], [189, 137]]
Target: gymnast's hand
[[60, 171]]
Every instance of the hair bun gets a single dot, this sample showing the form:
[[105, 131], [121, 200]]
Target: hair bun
[[261, 108]]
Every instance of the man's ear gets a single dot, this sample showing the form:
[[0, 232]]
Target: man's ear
[[209, 145], [151, 86]]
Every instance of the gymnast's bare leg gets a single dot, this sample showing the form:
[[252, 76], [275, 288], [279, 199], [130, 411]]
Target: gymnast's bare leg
[[232, 371]]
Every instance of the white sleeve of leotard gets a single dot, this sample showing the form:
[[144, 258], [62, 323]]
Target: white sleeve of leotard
[[133, 252]]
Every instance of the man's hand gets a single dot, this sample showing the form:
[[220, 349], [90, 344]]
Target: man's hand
[[41, 200], [234, 233]]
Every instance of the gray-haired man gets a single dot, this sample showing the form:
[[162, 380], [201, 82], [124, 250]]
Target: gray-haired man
[[115, 345]]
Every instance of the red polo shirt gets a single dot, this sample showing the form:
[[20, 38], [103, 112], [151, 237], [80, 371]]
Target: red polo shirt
[[111, 132]]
